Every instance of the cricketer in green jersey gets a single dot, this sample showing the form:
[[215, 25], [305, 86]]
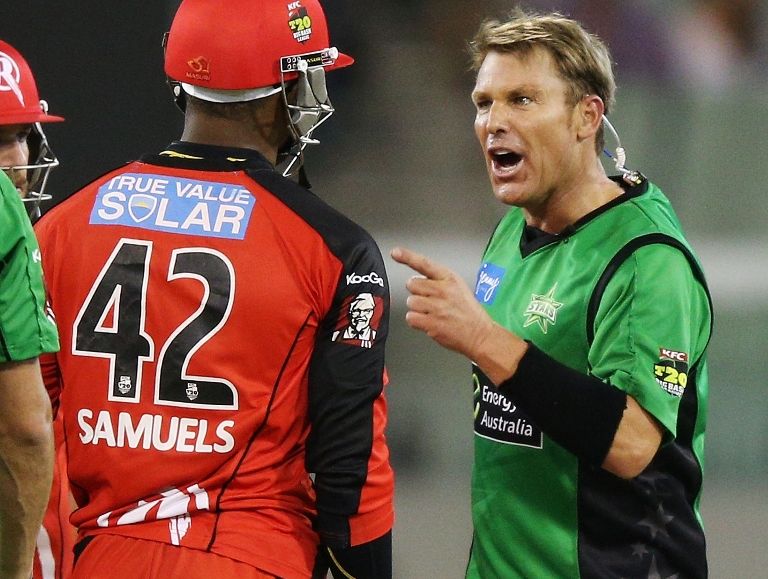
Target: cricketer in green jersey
[[26, 437], [26, 331], [587, 330]]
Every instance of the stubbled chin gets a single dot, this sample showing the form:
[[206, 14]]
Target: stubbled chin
[[508, 193]]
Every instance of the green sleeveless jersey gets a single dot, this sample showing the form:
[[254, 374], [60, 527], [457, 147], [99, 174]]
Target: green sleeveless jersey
[[25, 329], [618, 295]]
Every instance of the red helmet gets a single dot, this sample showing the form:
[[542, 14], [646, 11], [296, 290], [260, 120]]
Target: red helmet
[[245, 44], [20, 104], [19, 101]]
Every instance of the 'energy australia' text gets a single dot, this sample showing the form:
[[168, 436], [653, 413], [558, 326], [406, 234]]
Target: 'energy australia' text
[[498, 419]]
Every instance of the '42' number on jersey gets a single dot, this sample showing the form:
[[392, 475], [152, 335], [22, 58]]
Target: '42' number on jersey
[[121, 289]]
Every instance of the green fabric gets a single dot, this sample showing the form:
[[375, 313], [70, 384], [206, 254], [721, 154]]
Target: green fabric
[[524, 485], [25, 329]]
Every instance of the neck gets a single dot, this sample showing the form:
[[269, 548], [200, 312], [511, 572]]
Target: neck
[[228, 133], [259, 125], [574, 200]]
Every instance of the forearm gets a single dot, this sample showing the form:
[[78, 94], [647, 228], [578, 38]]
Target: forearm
[[26, 464], [620, 435], [25, 482], [498, 354]]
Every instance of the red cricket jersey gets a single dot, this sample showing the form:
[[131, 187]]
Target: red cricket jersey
[[223, 335]]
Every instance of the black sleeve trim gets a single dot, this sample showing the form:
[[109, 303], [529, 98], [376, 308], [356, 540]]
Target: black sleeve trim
[[372, 560], [621, 256], [579, 412]]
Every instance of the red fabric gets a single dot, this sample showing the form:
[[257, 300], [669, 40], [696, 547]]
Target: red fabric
[[132, 558], [238, 481], [376, 514]]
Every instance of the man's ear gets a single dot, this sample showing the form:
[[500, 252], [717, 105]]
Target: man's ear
[[590, 116]]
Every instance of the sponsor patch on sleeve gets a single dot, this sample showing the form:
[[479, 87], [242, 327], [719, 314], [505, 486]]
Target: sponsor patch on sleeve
[[671, 371], [359, 321]]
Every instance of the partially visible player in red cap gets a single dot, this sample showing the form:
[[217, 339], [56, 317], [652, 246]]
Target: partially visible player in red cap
[[218, 424], [24, 152], [26, 331]]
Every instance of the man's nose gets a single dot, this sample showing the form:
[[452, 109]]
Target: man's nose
[[498, 119]]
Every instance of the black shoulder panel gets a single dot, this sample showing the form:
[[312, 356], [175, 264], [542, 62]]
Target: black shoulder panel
[[621, 256], [340, 233]]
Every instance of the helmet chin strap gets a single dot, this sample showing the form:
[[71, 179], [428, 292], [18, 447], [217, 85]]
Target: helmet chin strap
[[311, 108]]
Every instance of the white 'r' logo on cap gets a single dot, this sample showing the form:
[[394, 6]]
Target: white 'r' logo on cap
[[9, 77]]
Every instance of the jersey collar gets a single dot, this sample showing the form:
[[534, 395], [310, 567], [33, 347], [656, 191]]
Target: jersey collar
[[534, 238], [188, 155]]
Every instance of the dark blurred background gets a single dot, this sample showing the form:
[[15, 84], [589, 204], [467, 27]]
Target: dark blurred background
[[400, 157]]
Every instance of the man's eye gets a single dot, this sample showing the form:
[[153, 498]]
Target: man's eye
[[523, 100], [482, 104]]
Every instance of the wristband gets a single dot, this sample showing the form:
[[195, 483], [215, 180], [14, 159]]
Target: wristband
[[579, 412]]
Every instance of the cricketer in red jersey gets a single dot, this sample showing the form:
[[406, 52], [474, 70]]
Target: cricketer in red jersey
[[207, 407]]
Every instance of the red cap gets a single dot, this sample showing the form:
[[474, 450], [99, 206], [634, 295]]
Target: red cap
[[19, 100]]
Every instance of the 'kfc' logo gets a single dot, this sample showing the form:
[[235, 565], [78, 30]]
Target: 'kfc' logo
[[360, 321]]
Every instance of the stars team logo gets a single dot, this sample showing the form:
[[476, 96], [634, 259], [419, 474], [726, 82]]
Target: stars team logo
[[542, 310]]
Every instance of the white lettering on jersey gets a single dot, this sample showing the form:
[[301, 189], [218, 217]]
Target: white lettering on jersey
[[153, 431], [372, 277], [180, 205]]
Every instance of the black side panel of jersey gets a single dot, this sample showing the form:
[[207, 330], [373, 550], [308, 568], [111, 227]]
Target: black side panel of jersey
[[650, 528], [345, 379]]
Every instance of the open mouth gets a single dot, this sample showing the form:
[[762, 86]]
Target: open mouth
[[505, 160]]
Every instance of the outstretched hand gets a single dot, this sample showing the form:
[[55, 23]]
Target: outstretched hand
[[442, 306]]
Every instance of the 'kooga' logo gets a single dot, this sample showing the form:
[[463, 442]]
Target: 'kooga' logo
[[372, 277]]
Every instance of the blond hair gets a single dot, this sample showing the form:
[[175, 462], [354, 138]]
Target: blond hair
[[581, 59]]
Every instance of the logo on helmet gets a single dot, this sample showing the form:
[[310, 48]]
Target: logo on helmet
[[299, 21], [10, 76], [201, 68]]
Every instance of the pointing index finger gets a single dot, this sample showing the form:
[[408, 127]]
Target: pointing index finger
[[419, 263]]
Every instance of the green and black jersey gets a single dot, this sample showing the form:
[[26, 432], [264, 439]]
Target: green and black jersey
[[619, 296], [25, 329]]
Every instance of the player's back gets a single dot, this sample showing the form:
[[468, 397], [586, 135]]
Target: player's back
[[189, 301]]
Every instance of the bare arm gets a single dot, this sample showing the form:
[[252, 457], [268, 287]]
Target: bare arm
[[442, 306], [26, 464]]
